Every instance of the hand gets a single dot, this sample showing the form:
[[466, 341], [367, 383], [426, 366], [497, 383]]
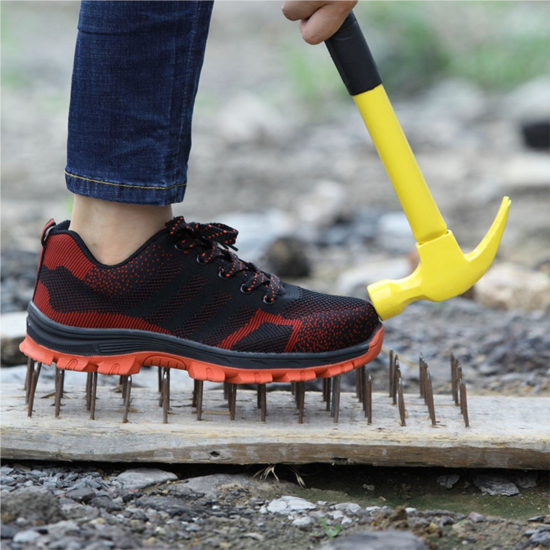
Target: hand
[[319, 20]]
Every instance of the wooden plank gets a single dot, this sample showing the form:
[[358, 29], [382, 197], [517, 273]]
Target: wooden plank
[[505, 432]]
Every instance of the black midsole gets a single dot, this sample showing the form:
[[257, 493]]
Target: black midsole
[[96, 342]]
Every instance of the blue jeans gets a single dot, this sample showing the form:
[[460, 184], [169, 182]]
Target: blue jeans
[[136, 73]]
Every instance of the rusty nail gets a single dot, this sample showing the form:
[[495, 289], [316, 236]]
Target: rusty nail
[[165, 395], [401, 399], [368, 412], [93, 395], [262, 392], [336, 385], [232, 401], [390, 373], [30, 369], [58, 391], [396, 378], [88, 390], [198, 398], [127, 397], [32, 388], [301, 397], [430, 397], [464, 404]]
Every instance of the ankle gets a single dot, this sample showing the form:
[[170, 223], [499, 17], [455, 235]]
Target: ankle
[[112, 230]]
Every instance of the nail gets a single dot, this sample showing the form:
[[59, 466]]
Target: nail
[[198, 398], [336, 384], [401, 399], [262, 392], [464, 404], [93, 395], [165, 394], [430, 397], [368, 412], [390, 372], [232, 393], [30, 369], [58, 390], [32, 388], [396, 378], [88, 390], [329, 395], [301, 398], [159, 377], [127, 398]]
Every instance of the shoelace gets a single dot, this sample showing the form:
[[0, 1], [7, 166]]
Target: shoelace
[[213, 240]]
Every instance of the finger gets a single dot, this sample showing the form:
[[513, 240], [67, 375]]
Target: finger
[[301, 9], [325, 22]]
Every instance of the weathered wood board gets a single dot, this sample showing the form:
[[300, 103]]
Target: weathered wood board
[[505, 432]]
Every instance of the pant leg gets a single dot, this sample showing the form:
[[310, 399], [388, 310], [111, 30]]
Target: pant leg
[[136, 72]]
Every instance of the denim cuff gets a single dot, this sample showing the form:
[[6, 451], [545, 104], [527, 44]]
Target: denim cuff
[[134, 193]]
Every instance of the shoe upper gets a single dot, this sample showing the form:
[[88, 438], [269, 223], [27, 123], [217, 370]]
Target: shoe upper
[[185, 281]]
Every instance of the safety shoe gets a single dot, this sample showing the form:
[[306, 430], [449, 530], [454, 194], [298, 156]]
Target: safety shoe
[[184, 300]]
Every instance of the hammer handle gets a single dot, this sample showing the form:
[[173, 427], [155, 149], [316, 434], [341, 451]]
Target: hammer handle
[[351, 55]]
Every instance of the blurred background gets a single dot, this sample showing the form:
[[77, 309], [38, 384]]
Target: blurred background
[[281, 153]]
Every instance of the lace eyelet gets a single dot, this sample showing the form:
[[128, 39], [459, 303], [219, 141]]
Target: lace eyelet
[[245, 289], [268, 301], [199, 261], [223, 275]]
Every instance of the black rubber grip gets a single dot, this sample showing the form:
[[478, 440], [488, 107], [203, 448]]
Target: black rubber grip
[[351, 55]]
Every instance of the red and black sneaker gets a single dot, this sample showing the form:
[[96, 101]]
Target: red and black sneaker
[[184, 300]]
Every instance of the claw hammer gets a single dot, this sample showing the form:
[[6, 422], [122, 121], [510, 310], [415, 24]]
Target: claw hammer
[[444, 270]]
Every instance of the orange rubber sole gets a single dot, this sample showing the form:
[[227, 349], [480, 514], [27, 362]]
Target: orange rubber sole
[[131, 363]]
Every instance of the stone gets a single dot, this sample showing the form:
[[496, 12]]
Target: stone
[[476, 518], [448, 481], [526, 172], [394, 233], [348, 507], [287, 257], [139, 478], [510, 286], [354, 281], [12, 332], [105, 503], [541, 536], [62, 529], [526, 480], [84, 494], [26, 537], [323, 206], [303, 523], [173, 506], [36, 505], [528, 103], [377, 540], [495, 485], [248, 119], [7, 531], [287, 504]]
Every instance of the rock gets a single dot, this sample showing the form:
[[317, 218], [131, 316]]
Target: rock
[[303, 523], [394, 233], [173, 506], [211, 486], [323, 206], [105, 503], [377, 540], [448, 481], [347, 507], [258, 230], [7, 531], [510, 286], [248, 119], [528, 103], [139, 478], [527, 171], [536, 519], [62, 529], [36, 505], [476, 518], [287, 257], [84, 494], [287, 504], [541, 536], [26, 537], [13, 330], [354, 281], [536, 134], [495, 485], [526, 480]]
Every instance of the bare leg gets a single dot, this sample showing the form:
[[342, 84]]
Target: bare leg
[[114, 230]]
